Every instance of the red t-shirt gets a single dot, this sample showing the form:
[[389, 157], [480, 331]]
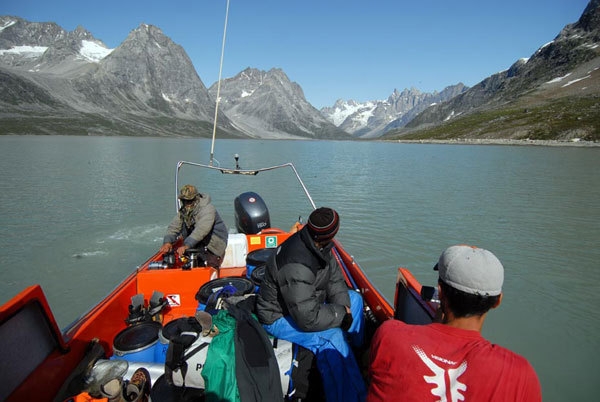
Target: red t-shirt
[[437, 362]]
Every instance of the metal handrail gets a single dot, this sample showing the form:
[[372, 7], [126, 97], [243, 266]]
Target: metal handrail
[[238, 170]]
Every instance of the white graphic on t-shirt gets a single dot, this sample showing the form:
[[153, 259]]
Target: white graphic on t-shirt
[[438, 378]]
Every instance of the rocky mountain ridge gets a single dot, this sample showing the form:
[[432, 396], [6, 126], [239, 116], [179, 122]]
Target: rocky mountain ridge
[[51, 77], [58, 82], [64, 75], [269, 104]]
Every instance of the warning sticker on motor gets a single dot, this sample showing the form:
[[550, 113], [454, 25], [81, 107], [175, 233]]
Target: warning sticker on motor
[[174, 300]]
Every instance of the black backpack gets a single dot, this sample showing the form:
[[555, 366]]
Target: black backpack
[[257, 370]]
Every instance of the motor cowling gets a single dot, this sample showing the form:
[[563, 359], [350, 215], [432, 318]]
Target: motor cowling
[[251, 213]]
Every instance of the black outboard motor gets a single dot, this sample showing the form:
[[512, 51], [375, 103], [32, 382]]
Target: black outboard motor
[[251, 213]]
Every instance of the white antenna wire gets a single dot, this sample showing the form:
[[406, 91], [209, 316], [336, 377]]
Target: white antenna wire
[[214, 133]]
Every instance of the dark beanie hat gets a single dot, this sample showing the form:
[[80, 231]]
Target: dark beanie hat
[[323, 224]]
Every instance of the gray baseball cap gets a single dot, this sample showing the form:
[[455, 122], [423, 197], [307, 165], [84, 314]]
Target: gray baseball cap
[[472, 270]]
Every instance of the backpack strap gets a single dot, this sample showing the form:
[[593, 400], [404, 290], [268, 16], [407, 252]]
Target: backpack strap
[[176, 358]]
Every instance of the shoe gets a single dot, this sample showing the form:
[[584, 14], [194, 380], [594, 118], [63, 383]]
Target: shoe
[[138, 388], [103, 372], [113, 390], [137, 311]]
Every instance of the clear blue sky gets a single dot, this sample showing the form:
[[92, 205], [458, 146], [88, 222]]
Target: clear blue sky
[[353, 49]]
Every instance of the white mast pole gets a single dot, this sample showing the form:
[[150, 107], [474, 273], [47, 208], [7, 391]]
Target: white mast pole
[[212, 146]]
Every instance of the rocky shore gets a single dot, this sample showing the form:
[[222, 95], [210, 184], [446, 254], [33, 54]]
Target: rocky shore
[[487, 141]]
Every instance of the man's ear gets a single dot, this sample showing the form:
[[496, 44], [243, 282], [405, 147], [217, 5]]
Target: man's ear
[[498, 301], [439, 314], [440, 291]]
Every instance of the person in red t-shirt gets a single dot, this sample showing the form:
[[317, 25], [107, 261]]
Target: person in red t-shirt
[[451, 361]]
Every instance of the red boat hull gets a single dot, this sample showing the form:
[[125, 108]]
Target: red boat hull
[[44, 378]]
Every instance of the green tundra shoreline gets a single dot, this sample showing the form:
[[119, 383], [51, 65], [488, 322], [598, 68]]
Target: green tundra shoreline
[[499, 141]]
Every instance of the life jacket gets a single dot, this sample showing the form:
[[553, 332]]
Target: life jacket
[[85, 397]]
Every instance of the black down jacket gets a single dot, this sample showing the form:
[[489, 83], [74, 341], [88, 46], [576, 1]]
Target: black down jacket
[[305, 283]]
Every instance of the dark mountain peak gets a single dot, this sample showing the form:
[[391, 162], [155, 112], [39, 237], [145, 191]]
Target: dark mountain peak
[[258, 77], [46, 47], [251, 75], [516, 68], [81, 33], [252, 83], [19, 32], [149, 33], [147, 53], [452, 90], [576, 44], [151, 74], [411, 91], [149, 40], [267, 103], [276, 76], [590, 19], [278, 72], [43, 46], [250, 71], [69, 52], [406, 93], [349, 102]]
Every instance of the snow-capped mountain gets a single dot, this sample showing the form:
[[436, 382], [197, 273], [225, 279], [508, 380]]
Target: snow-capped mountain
[[374, 118], [73, 83], [59, 82], [46, 47]]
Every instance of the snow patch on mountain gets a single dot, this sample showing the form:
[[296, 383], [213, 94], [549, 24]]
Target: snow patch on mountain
[[373, 118], [93, 51], [341, 110], [25, 51], [7, 24]]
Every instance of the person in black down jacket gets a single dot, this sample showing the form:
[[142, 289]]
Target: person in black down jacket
[[304, 299]]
